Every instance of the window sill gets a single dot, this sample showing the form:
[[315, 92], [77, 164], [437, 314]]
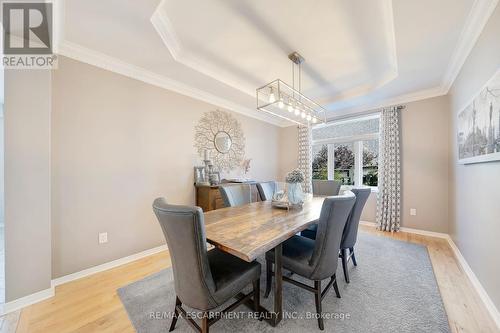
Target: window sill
[[350, 187]]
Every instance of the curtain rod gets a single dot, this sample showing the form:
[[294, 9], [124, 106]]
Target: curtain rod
[[363, 113]]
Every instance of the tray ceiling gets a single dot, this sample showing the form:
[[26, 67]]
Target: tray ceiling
[[359, 54]]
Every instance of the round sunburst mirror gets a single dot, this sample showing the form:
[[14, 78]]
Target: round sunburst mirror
[[220, 134], [222, 142]]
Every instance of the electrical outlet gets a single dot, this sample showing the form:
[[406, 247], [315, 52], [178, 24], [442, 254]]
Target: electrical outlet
[[103, 237], [413, 211]]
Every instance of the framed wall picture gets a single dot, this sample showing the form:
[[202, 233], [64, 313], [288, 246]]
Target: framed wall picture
[[199, 175], [214, 178], [478, 126]]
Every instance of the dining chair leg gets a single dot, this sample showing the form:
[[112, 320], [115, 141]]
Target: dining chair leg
[[344, 264], [317, 299], [176, 314], [256, 295], [335, 286], [351, 250], [204, 323], [269, 277]]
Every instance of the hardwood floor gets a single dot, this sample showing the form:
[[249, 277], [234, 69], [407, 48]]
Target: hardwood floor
[[466, 312], [91, 304]]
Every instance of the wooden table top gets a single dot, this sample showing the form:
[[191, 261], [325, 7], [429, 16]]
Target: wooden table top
[[251, 230]]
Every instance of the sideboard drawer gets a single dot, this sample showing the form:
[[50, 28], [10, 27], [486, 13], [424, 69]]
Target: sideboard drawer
[[209, 197], [219, 203]]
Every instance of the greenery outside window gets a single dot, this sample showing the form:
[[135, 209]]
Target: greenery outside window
[[347, 151]]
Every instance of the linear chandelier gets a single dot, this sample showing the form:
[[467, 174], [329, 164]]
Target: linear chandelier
[[284, 101]]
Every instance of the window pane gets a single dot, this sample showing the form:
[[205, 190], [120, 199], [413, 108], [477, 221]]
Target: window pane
[[346, 129], [344, 163], [320, 162], [370, 163]]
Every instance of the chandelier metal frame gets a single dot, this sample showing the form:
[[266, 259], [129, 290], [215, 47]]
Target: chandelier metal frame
[[286, 102]]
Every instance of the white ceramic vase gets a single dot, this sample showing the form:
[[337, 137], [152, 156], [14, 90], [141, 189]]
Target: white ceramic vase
[[295, 194]]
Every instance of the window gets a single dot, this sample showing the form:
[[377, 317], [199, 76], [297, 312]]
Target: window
[[347, 151], [370, 162], [343, 162]]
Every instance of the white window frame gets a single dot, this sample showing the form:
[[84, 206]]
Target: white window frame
[[357, 141]]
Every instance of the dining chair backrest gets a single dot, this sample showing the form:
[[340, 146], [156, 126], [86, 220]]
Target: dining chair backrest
[[184, 231], [236, 195], [333, 217], [266, 190], [350, 233], [326, 187]]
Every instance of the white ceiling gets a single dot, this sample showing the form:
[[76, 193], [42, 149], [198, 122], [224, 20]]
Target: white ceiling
[[359, 54]]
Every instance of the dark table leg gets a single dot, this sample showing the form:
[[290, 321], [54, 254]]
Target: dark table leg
[[274, 317], [278, 285]]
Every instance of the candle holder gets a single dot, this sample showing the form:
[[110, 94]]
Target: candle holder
[[208, 169]]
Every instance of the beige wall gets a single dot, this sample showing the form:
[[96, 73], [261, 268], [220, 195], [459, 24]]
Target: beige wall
[[117, 144], [475, 188], [425, 154], [369, 213], [27, 182], [288, 151]]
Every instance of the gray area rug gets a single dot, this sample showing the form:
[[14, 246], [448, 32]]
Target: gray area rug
[[393, 289]]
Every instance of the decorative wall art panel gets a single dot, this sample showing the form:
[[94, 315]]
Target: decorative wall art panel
[[478, 126], [219, 134]]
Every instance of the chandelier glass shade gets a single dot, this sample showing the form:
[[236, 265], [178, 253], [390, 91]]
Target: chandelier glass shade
[[281, 100], [284, 101]]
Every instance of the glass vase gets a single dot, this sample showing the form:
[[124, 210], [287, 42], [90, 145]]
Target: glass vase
[[295, 194]]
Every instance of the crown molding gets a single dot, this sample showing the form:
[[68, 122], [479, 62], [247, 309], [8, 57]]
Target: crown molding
[[58, 25], [166, 31], [474, 25], [391, 35], [92, 57], [164, 28], [401, 99]]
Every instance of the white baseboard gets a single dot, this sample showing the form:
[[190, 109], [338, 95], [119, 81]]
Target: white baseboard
[[106, 266], [368, 224], [485, 298], [490, 306], [50, 292], [425, 232], [26, 300], [412, 230]]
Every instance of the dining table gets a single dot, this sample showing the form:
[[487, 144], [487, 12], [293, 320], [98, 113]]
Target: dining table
[[249, 231]]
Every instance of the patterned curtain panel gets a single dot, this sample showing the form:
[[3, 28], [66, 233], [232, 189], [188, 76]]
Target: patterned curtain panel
[[389, 172], [305, 156]]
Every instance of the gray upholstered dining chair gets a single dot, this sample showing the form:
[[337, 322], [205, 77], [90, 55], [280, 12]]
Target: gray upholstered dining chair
[[203, 279], [266, 190], [350, 233], [316, 259], [236, 195], [326, 187]]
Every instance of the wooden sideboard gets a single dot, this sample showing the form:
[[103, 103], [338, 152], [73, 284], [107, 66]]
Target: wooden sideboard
[[209, 198]]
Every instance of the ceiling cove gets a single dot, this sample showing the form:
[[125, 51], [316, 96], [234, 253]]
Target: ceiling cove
[[180, 46], [237, 70]]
